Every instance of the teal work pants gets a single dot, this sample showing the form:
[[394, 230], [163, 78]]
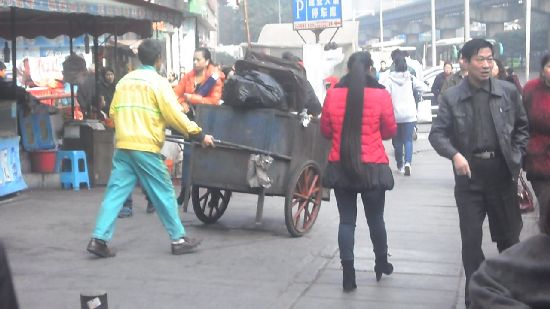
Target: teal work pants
[[148, 167]]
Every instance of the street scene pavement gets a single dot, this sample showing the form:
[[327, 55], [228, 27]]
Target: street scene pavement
[[241, 264]]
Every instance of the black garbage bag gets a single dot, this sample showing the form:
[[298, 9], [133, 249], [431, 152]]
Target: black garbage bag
[[254, 89], [290, 75]]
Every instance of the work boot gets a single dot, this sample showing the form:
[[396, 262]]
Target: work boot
[[184, 245], [348, 281], [99, 247]]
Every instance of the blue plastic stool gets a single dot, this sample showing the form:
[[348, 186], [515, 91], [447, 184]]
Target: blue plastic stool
[[72, 168]]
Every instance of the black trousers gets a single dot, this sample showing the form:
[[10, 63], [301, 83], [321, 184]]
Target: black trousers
[[373, 203], [7, 292], [492, 193]]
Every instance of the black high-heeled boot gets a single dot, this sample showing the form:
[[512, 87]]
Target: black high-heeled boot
[[348, 281], [382, 267]]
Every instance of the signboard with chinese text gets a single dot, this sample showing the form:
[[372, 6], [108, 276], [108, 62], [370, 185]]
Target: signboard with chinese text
[[316, 14]]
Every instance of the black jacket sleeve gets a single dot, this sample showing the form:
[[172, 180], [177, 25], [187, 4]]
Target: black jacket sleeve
[[438, 83], [520, 135], [312, 103], [442, 129]]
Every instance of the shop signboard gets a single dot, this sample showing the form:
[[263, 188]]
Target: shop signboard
[[198, 7], [11, 179], [316, 14]]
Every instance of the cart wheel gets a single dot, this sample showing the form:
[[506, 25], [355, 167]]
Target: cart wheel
[[209, 204], [303, 199]]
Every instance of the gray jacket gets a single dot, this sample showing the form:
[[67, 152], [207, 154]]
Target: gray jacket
[[517, 278], [453, 128]]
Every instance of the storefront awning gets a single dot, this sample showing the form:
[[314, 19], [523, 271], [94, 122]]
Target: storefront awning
[[52, 18]]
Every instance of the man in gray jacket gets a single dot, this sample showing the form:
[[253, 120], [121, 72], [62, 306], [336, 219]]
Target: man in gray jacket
[[482, 127]]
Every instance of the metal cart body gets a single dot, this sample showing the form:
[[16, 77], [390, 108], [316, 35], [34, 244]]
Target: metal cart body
[[299, 156]]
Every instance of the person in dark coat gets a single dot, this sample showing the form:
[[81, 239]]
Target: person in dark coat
[[107, 89], [357, 115], [482, 127], [441, 78], [8, 300], [455, 78], [536, 98], [517, 278]]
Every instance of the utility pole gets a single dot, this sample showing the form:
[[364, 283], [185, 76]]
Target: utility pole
[[246, 23], [381, 24], [527, 37], [279, 11], [466, 20], [434, 53]]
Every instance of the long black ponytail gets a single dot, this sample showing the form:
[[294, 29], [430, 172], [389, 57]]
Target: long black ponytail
[[350, 145]]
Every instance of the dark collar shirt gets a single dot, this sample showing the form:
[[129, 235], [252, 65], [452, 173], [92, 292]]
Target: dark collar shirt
[[485, 134]]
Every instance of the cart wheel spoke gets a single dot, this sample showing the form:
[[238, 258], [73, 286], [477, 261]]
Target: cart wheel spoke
[[300, 196], [299, 212], [313, 185], [210, 205]]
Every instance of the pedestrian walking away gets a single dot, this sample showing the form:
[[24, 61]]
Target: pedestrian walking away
[[357, 115], [536, 98], [401, 84], [482, 127], [143, 104]]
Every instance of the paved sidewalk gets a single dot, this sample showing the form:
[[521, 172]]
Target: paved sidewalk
[[423, 240], [241, 264]]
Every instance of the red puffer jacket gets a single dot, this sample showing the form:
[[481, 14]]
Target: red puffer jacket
[[378, 123]]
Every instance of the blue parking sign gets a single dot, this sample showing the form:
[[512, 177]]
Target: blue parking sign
[[316, 14]]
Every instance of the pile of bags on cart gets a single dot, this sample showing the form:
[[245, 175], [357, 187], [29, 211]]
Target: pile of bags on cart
[[263, 81]]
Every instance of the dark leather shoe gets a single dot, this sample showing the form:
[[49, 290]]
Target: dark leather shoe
[[188, 246], [125, 212], [99, 247], [150, 208]]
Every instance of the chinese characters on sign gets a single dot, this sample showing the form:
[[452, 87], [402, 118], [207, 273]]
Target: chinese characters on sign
[[316, 14]]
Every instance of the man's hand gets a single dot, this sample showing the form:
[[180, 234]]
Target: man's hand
[[208, 141], [461, 165], [185, 107]]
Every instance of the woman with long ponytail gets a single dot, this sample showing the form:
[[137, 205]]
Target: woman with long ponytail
[[357, 116]]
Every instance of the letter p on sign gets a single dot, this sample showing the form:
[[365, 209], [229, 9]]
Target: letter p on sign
[[299, 8]]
